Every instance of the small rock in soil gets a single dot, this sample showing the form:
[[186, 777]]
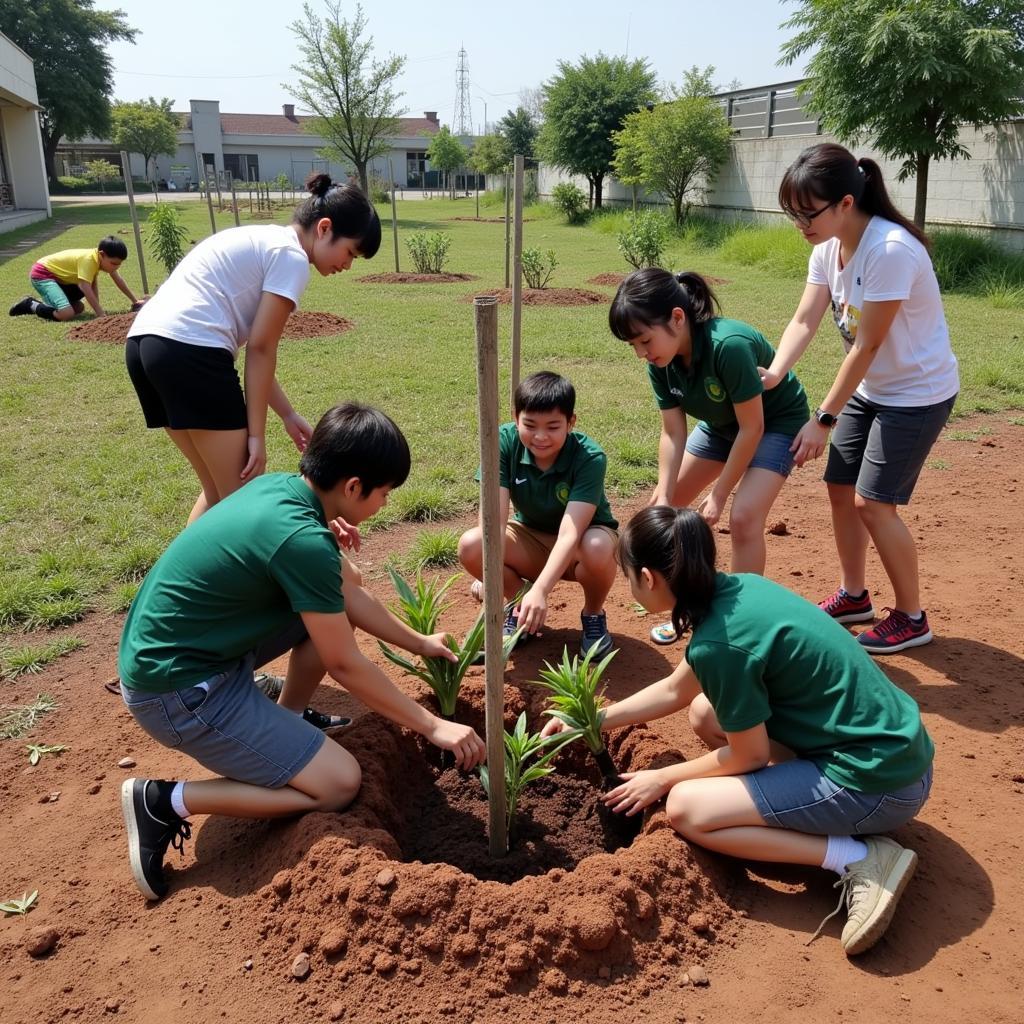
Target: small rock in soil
[[554, 981], [604, 972], [247, 965], [594, 927], [39, 941], [698, 975], [334, 942], [112, 1005], [385, 877], [281, 883], [517, 958], [778, 528], [699, 922], [384, 963], [464, 946], [300, 966], [411, 966], [336, 1011], [126, 762], [94, 789]]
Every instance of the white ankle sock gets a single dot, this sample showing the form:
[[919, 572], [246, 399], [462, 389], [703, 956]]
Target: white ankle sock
[[178, 800], [843, 851]]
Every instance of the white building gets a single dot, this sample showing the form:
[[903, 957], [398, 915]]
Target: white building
[[24, 196]]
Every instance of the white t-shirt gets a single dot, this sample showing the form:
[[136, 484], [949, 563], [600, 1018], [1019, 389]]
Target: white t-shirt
[[915, 365], [211, 297]]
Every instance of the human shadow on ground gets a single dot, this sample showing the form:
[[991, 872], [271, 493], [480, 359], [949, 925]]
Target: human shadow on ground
[[929, 917]]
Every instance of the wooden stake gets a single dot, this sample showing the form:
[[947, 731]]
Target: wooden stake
[[394, 215], [126, 170], [209, 201], [517, 275], [508, 223], [485, 308], [234, 203]]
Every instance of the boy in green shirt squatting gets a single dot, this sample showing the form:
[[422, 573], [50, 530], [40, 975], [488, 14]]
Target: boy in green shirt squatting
[[810, 743], [256, 576], [63, 279], [563, 526]]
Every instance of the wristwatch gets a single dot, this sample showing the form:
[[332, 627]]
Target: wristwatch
[[826, 419]]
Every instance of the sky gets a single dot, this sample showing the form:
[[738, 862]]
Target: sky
[[241, 53]]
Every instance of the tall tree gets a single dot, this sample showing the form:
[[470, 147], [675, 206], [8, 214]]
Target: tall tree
[[907, 74], [520, 133], [583, 104], [146, 127], [351, 93], [489, 155], [446, 153], [74, 73]]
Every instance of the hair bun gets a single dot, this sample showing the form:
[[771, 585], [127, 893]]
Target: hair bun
[[318, 183]]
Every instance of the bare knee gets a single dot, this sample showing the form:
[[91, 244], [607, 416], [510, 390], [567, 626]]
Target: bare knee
[[704, 722], [471, 550], [340, 788], [841, 496], [79, 308], [745, 523], [871, 511], [596, 551], [64, 314], [682, 813]]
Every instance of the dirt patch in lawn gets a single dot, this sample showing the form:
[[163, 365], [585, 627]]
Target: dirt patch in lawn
[[300, 325], [545, 296], [410, 278], [614, 279], [488, 220]]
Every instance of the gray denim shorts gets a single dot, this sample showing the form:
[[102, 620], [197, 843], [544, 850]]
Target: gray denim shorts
[[772, 451], [797, 795], [228, 726], [880, 449]]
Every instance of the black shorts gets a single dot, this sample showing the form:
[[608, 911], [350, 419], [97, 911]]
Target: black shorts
[[185, 387]]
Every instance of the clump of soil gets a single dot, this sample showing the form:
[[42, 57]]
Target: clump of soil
[[545, 296], [410, 278], [615, 279], [114, 328]]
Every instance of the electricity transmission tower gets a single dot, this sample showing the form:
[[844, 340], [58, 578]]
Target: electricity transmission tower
[[463, 115]]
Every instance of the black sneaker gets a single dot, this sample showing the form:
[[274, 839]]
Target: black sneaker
[[150, 832], [21, 308], [596, 639], [270, 686], [324, 721]]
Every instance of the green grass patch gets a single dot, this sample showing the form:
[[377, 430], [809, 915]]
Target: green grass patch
[[17, 720], [121, 597], [434, 549], [32, 658], [937, 464]]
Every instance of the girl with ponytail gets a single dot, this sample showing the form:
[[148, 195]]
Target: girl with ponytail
[[895, 389], [704, 365], [810, 744]]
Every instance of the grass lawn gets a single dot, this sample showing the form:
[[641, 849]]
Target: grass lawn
[[90, 497]]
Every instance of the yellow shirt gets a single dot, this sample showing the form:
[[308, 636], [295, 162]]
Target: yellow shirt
[[73, 265]]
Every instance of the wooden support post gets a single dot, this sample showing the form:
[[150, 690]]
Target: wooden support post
[[209, 201], [476, 179], [485, 308], [394, 214], [508, 224], [234, 203], [126, 170], [517, 276]]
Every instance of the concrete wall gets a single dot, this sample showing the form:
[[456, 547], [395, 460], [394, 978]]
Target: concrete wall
[[19, 129]]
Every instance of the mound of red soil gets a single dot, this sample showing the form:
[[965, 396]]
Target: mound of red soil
[[545, 296], [404, 278], [615, 279], [114, 328]]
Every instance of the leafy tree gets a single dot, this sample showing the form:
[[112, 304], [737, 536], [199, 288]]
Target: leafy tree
[[675, 149], [101, 171], [520, 133], [147, 127], [909, 73], [74, 73], [445, 152], [584, 104], [489, 155], [351, 93]]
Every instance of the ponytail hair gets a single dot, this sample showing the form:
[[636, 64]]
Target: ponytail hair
[[829, 172], [351, 214], [647, 297], [679, 544]]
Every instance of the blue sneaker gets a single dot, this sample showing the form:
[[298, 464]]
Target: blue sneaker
[[596, 639]]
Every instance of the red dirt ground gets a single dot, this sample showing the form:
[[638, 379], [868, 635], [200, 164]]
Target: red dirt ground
[[410, 278], [390, 941], [300, 325], [544, 296]]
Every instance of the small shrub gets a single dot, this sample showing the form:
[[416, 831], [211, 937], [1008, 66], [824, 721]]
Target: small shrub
[[429, 252], [536, 269], [643, 242], [571, 200], [169, 236], [380, 189]]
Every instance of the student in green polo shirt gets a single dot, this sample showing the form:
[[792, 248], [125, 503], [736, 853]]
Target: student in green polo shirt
[[703, 365], [255, 577], [563, 528], [811, 744]]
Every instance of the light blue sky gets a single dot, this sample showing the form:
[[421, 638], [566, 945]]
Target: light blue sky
[[241, 53]]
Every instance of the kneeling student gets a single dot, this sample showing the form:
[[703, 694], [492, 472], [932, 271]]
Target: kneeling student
[[256, 576], [563, 526]]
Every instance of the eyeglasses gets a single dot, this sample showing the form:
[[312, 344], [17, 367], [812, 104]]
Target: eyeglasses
[[803, 220]]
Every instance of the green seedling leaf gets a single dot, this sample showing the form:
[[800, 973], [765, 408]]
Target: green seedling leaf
[[36, 750], [20, 906]]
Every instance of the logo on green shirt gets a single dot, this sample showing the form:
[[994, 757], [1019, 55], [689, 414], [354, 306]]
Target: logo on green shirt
[[714, 389], [562, 493]]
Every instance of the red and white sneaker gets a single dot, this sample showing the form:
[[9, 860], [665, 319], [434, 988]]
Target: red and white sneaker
[[844, 608], [896, 632]]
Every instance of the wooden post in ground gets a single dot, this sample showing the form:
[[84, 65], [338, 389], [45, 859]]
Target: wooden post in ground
[[508, 224], [234, 203], [485, 308], [476, 178], [394, 214], [209, 201], [126, 170], [517, 276]]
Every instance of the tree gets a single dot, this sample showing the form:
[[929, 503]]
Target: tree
[[74, 73], [101, 171], [489, 155], [584, 104], [146, 127], [446, 153], [676, 148], [350, 92], [909, 73], [520, 133]]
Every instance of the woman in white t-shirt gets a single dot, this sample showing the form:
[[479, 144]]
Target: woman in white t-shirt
[[895, 389], [237, 288]]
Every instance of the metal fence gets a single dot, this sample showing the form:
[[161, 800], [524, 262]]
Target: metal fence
[[768, 111]]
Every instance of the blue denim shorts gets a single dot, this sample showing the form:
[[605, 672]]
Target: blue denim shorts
[[797, 795], [772, 452], [228, 726]]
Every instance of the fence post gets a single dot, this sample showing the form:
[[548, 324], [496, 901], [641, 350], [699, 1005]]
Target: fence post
[[394, 214], [769, 113], [517, 275], [209, 200], [126, 170]]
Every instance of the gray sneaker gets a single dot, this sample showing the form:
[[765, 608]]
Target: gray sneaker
[[596, 639]]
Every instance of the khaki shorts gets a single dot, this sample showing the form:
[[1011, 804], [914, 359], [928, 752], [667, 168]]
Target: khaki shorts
[[538, 545]]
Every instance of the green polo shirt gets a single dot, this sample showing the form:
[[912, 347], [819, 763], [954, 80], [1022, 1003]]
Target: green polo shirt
[[539, 496], [234, 578], [722, 372], [764, 654]]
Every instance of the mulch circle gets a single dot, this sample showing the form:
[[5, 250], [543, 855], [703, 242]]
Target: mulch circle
[[114, 328], [409, 278], [615, 279], [545, 296], [488, 220]]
